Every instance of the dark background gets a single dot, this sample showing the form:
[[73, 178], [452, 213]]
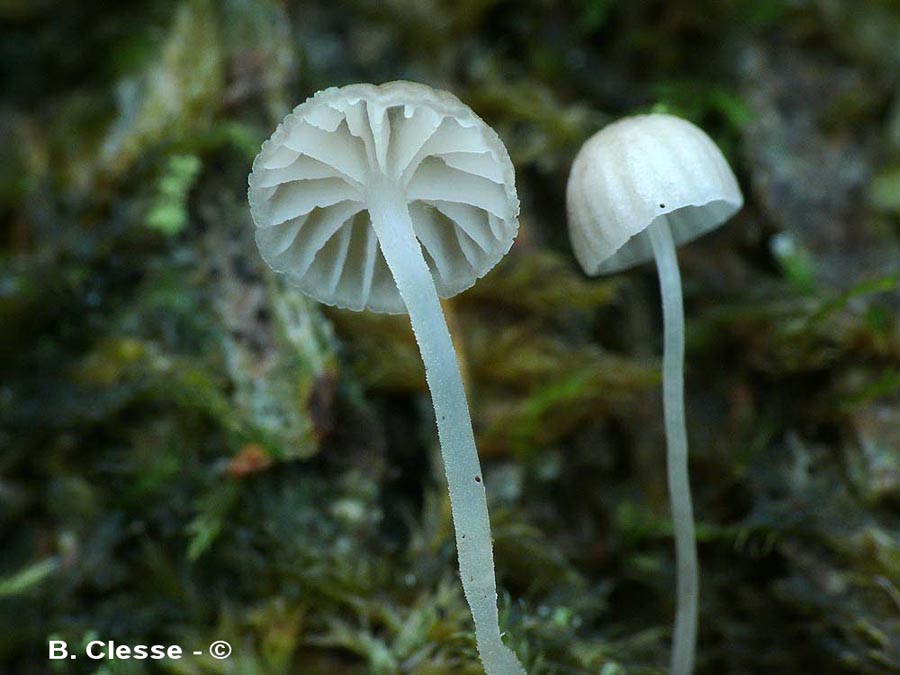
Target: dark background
[[192, 452]]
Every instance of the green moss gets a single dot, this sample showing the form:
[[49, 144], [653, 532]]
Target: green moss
[[884, 190], [169, 211], [193, 451]]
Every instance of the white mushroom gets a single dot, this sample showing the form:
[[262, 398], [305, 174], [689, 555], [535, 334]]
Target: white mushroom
[[383, 198], [637, 188]]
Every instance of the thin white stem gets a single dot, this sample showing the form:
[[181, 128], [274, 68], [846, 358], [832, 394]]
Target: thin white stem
[[685, 635], [403, 254]]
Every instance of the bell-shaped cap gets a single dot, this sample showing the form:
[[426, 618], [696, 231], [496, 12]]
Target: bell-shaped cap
[[309, 186], [637, 170]]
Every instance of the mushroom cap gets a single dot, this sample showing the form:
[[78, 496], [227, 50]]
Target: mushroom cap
[[308, 191], [636, 170]]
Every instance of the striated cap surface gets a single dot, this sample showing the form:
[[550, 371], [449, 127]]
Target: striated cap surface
[[637, 170], [309, 183]]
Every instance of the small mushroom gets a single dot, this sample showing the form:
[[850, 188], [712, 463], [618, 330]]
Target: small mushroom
[[384, 198], [637, 188]]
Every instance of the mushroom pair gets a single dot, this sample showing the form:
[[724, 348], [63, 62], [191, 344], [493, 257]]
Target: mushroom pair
[[387, 197]]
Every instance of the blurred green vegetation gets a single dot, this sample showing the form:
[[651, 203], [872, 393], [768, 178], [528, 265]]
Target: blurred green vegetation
[[192, 451]]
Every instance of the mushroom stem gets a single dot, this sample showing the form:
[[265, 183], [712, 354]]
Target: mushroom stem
[[403, 254], [685, 633]]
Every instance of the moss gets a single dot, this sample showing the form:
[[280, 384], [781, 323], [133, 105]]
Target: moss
[[192, 451], [884, 190], [169, 213]]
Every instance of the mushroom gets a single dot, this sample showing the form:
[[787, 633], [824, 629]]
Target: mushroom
[[637, 188], [384, 198]]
